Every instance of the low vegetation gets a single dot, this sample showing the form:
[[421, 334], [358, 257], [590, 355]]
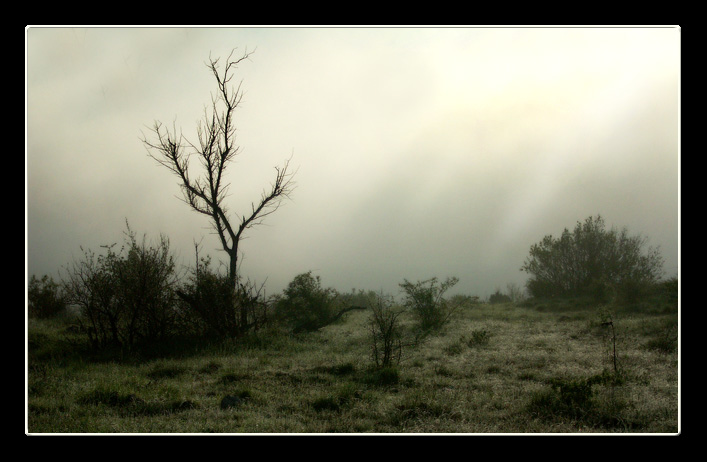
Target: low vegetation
[[498, 368], [125, 345]]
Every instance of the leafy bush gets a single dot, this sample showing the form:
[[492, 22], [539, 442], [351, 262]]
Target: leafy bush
[[425, 299], [214, 307], [125, 298], [591, 261], [306, 307], [44, 297], [146, 279]]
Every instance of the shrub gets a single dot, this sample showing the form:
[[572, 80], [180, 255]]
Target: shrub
[[44, 297], [578, 399], [386, 347], [213, 307], [125, 298], [208, 307], [479, 337], [591, 261], [305, 306], [425, 299], [146, 279], [497, 298]]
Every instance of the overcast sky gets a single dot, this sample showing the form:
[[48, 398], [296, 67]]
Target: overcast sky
[[420, 152]]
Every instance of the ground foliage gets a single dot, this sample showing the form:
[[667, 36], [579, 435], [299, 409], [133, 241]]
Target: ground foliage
[[539, 367]]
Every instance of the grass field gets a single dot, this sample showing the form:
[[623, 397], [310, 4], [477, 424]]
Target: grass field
[[493, 369]]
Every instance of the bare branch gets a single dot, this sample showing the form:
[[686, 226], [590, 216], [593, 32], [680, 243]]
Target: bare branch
[[270, 201], [215, 149]]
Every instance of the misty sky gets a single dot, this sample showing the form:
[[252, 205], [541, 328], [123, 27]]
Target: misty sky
[[420, 152]]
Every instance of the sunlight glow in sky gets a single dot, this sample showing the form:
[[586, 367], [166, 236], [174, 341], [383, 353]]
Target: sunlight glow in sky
[[420, 152]]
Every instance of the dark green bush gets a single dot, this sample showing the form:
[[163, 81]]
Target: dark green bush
[[212, 306], [592, 261], [208, 303], [426, 301], [305, 306], [126, 298], [44, 296]]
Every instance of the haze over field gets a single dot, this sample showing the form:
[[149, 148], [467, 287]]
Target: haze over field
[[420, 151]]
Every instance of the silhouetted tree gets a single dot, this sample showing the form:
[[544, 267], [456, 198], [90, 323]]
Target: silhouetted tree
[[593, 261], [215, 150]]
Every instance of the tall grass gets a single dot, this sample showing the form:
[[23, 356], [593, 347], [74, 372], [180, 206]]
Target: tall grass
[[495, 369]]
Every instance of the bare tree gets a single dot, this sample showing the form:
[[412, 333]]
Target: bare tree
[[215, 150]]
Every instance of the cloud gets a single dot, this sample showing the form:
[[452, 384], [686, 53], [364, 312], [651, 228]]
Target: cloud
[[421, 151]]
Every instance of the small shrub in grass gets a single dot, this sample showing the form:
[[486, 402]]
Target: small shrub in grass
[[577, 399], [455, 348], [382, 376], [385, 330], [479, 337]]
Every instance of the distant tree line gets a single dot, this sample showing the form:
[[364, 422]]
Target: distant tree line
[[136, 296]]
